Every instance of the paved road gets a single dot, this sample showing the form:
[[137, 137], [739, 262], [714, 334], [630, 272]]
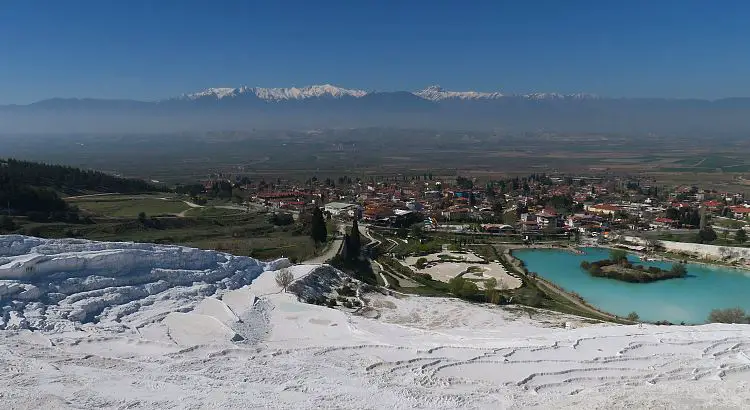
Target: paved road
[[331, 250]]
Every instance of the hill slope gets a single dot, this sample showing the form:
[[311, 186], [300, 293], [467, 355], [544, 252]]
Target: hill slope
[[93, 324]]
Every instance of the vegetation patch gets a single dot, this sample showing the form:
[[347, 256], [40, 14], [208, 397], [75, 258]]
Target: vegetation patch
[[618, 267]]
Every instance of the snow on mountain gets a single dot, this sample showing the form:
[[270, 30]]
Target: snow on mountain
[[431, 93], [437, 93], [94, 324], [278, 94]]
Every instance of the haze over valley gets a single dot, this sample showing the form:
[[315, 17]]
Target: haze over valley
[[328, 106]]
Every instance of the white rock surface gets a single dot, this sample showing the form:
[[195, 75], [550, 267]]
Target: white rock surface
[[208, 330]]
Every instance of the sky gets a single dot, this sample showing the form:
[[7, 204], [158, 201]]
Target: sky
[[153, 49]]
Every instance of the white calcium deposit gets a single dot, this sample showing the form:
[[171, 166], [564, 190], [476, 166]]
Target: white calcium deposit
[[121, 325]]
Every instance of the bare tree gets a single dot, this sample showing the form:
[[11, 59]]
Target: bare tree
[[284, 278], [731, 315]]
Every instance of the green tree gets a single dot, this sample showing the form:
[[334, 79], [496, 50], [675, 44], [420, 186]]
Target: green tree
[[456, 284], [633, 317], [417, 230], [355, 241], [740, 236], [706, 235], [318, 230], [6, 223], [618, 255], [468, 289], [142, 217], [679, 269]]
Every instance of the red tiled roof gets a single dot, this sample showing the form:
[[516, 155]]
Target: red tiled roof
[[712, 204]]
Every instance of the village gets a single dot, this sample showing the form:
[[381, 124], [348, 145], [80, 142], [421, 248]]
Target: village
[[530, 208]]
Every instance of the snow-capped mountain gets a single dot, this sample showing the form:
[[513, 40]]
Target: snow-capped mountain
[[431, 93], [437, 93], [330, 106], [278, 94]]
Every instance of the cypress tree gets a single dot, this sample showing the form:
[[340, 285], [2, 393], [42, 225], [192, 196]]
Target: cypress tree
[[355, 241], [318, 230]]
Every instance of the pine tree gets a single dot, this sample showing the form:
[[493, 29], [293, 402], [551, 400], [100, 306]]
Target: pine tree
[[740, 236], [318, 230]]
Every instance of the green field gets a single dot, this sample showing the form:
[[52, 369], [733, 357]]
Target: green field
[[129, 206], [171, 221]]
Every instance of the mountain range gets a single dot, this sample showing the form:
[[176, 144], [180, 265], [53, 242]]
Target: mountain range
[[328, 106]]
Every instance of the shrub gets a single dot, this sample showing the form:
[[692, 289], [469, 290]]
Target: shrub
[[331, 303], [730, 315], [421, 263], [456, 284], [678, 269], [469, 289], [346, 291], [633, 317], [284, 278]]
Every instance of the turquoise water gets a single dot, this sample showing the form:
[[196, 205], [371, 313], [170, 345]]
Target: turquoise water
[[688, 300]]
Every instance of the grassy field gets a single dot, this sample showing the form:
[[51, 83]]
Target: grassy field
[[115, 218], [129, 206]]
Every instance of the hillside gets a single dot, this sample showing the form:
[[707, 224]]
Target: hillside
[[140, 325], [34, 189]]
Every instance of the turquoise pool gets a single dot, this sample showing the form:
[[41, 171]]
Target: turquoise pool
[[688, 300]]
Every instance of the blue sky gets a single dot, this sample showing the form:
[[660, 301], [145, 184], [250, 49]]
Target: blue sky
[[159, 48]]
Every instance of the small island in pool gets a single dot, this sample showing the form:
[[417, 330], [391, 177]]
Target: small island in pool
[[618, 267]]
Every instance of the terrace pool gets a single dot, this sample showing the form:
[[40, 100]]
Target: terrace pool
[[688, 300]]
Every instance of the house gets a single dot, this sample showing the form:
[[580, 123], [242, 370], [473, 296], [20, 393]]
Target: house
[[740, 212], [497, 228], [547, 219], [340, 208], [603, 209], [660, 223]]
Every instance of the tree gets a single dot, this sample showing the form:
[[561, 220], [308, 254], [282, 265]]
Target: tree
[[284, 278], [456, 284], [633, 317], [731, 315], [6, 223], [318, 230], [706, 235], [468, 289], [618, 255], [417, 230], [740, 236], [355, 241], [421, 263], [679, 269], [142, 217]]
